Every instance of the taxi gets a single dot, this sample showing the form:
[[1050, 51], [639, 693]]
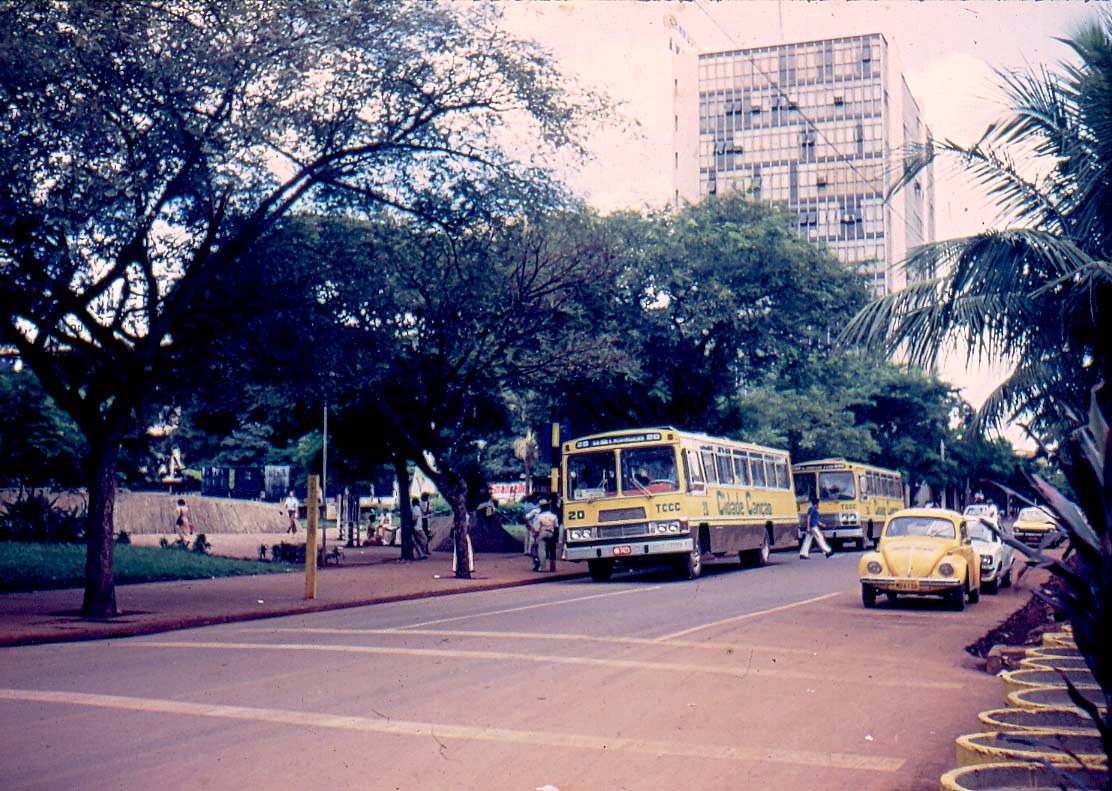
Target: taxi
[[923, 552], [1034, 524]]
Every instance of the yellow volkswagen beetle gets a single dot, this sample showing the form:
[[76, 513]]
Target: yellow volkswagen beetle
[[922, 552], [1034, 524]]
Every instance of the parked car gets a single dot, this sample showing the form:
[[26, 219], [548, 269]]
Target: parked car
[[997, 558], [923, 552], [983, 511], [1033, 525]]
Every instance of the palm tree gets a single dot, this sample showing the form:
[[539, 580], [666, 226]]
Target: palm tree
[[1038, 294]]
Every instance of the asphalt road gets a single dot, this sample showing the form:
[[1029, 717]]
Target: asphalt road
[[759, 678]]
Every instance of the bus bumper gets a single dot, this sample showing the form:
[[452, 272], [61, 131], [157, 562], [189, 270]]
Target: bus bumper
[[631, 549], [848, 531]]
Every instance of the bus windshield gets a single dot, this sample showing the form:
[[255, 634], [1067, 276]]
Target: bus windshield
[[649, 471], [836, 486], [804, 486], [592, 475]]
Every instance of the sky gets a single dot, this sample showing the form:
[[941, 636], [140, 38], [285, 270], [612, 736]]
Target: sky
[[950, 52]]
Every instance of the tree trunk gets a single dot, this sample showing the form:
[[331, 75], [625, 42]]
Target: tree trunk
[[405, 509], [453, 488], [100, 589]]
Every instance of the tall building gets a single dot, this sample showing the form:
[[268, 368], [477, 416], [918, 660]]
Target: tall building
[[818, 128]]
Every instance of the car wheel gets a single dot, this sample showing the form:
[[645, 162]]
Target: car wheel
[[1006, 581], [600, 569], [868, 595], [756, 557], [990, 587], [956, 598], [974, 592]]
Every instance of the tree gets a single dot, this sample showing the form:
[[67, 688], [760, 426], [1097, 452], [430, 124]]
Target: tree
[[716, 297], [146, 146], [42, 446]]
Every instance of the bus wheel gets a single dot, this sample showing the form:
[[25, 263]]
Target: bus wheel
[[756, 557], [692, 564], [600, 569]]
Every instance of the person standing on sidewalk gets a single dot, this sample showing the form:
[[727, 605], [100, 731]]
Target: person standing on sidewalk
[[291, 510], [183, 522], [812, 531], [420, 541], [426, 517], [548, 525]]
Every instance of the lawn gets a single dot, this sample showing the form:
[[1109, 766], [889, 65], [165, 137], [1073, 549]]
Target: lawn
[[25, 567]]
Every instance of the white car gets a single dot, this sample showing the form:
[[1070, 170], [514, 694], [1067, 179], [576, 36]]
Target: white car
[[983, 511], [997, 558]]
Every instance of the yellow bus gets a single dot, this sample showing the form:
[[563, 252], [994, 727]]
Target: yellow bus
[[854, 499], [644, 497]]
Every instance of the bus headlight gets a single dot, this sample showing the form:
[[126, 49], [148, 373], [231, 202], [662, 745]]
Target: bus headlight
[[848, 518], [580, 534], [664, 528]]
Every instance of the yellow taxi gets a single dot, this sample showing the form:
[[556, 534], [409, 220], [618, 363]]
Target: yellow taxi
[[922, 552], [1034, 524]]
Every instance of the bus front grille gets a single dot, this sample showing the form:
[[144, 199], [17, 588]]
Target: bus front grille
[[622, 531], [621, 514]]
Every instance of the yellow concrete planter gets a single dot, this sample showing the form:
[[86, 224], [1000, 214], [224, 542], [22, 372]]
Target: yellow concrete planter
[[1068, 750], [1015, 680], [1062, 639], [1015, 776], [1063, 719], [1053, 663], [1052, 697], [1052, 651]]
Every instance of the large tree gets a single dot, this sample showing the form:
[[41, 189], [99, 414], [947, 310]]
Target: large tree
[[145, 146]]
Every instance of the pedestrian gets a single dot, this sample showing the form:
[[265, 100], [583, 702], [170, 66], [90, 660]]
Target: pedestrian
[[812, 531], [291, 511], [426, 519], [385, 529], [548, 528], [420, 541], [531, 515], [183, 522]]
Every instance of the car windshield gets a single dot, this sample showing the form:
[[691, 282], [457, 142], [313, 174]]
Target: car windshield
[[931, 527], [980, 509], [1035, 515], [981, 532]]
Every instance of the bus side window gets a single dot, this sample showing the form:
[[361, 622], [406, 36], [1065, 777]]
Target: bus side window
[[756, 465], [725, 467], [782, 479], [863, 482], [692, 471], [708, 466], [741, 468]]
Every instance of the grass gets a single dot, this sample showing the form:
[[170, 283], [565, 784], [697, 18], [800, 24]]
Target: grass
[[27, 567]]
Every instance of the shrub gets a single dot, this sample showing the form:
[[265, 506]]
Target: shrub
[[201, 544], [123, 538], [36, 517]]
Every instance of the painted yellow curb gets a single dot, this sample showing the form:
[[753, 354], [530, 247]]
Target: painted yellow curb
[[1053, 663], [1061, 718], [1053, 747], [1053, 651], [1059, 639], [1017, 775]]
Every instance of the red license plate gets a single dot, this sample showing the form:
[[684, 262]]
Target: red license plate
[[623, 550]]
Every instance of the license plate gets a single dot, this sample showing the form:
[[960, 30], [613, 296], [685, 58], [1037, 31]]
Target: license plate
[[905, 585], [623, 550]]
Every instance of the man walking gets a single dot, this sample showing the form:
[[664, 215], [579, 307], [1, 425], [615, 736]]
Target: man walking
[[547, 525], [812, 531], [291, 510]]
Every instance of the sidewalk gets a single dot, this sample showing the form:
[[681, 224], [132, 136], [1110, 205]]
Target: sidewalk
[[367, 575]]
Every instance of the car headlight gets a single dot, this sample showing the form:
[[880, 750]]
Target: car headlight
[[873, 567], [986, 561], [946, 569]]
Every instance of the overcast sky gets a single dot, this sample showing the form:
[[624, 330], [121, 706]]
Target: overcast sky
[[949, 51]]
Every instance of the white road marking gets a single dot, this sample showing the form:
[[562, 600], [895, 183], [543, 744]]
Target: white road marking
[[507, 656], [745, 617], [524, 607], [653, 641], [442, 731]]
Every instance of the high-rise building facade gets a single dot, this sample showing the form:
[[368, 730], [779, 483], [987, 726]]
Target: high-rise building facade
[[818, 128]]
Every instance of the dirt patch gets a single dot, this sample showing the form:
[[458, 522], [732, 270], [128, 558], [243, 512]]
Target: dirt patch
[[1023, 627]]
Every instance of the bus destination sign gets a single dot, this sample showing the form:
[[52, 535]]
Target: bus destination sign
[[621, 439]]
